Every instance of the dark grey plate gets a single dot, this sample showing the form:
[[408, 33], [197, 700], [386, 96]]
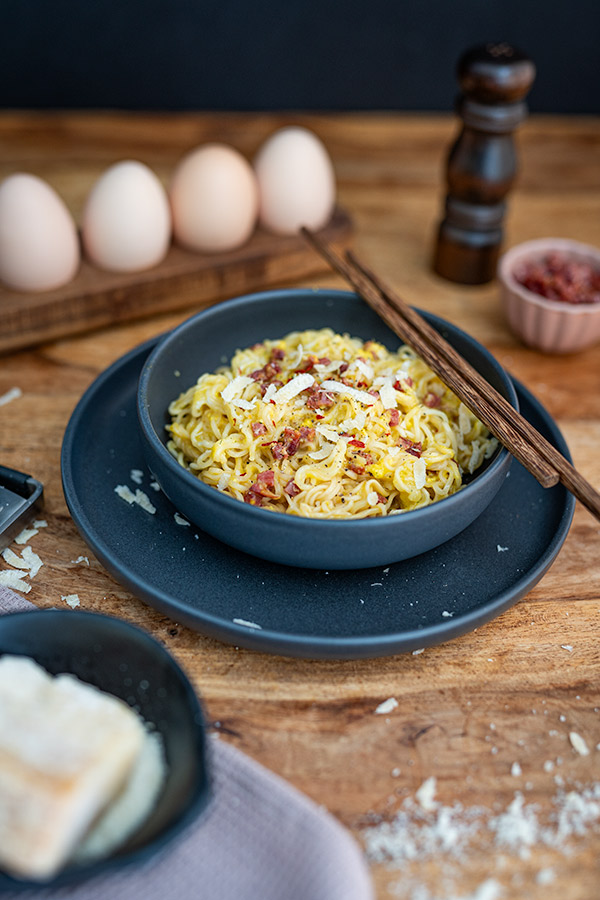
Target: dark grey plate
[[202, 583]]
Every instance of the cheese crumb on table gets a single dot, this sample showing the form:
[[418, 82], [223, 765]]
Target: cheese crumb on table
[[387, 706], [9, 396], [13, 579], [578, 744]]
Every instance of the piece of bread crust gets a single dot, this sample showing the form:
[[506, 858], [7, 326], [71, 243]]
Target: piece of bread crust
[[66, 749]]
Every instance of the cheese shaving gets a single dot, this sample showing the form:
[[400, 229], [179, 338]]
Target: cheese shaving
[[12, 559], [25, 535], [388, 395], [13, 579], [420, 473], [32, 560], [11, 395], [235, 387], [294, 387], [336, 387]]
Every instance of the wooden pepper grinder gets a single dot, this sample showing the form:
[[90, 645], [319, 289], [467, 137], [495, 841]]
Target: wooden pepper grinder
[[481, 166]]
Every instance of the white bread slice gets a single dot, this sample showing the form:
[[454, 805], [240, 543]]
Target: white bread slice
[[66, 749]]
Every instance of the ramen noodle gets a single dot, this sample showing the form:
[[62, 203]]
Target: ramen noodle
[[324, 425]]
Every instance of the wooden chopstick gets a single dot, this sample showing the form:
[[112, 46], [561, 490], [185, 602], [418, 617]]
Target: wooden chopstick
[[532, 450]]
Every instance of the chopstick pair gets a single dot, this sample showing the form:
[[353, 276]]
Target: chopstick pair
[[526, 444]]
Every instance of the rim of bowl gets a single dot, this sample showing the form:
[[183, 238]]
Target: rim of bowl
[[258, 513], [196, 801], [534, 248]]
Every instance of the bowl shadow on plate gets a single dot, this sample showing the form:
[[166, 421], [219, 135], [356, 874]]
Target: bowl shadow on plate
[[122, 660]]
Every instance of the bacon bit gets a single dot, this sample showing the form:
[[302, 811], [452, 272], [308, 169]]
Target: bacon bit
[[307, 365], [356, 443], [324, 361], [258, 428], [319, 416], [307, 433], [411, 447], [559, 278], [261, 489], [373, 393], [291, 488], [394, 417], [290, 440], [358, 470], [343, 368], [319, 398], [368, 458], [397, 386], [432, 400], [277, 353], [267, 374], [381, 499]]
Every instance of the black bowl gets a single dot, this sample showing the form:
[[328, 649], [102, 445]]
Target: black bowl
[[125, 661], [206, 341]]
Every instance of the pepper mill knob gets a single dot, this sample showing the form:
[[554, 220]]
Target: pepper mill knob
[[482, 164]]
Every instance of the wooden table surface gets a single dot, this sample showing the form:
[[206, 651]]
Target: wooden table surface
[[468, 710]]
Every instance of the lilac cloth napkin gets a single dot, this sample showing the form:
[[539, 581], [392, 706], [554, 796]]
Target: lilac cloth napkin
[[260, 839]]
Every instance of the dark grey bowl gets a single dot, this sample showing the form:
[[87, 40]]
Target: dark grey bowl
[[125, 661], [209, 339]]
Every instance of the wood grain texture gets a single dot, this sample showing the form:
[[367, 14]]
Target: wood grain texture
[[314, 722]]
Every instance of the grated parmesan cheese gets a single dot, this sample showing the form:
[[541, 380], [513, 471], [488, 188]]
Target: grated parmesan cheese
[[12, 559], [388, 395], [25, 535], [180, 519], [426, 793], [328, 433], [336, 387], [71, 600], [240, 403], [32, 560], [364, 368], [140, 498], [247, 624], [125, 493], [578, 744], [295, 386], [11, 395], [420, 473], [235, 387], [356, 424], [12, 579], [143, 501], [387, 706], [136, 476], [270, 393], [223, 481]]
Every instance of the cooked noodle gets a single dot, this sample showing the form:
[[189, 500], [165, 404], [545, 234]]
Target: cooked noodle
[[324, 425]]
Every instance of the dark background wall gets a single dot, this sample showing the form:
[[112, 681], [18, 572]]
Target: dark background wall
[[301, 54]]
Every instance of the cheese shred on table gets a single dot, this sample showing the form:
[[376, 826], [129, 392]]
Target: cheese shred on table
[[324, 425]]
